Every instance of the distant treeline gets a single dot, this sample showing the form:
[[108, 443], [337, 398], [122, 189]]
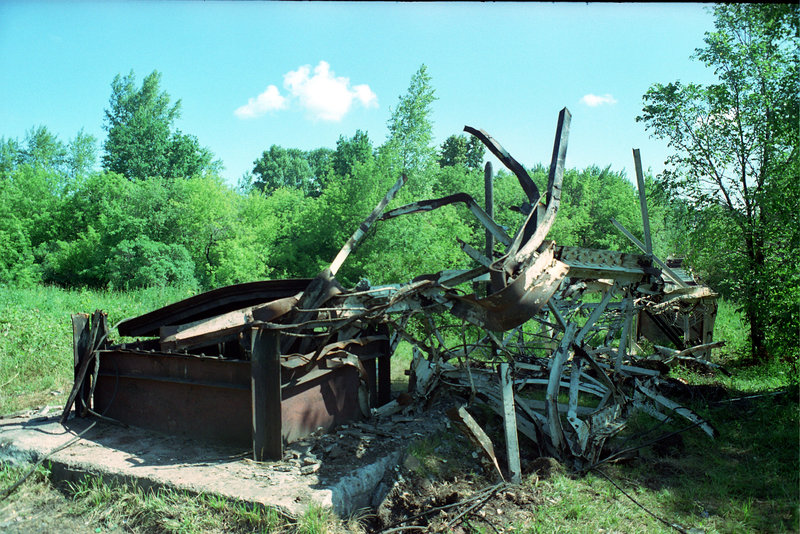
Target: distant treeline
[[158, 213]]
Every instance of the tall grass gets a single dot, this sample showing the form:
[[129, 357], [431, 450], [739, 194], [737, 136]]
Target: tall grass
[[730, 326], [36, 336]]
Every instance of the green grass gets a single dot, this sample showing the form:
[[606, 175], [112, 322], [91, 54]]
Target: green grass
[[36, 337], [746, 480], [91, 505], [165, 510], [730, 327]]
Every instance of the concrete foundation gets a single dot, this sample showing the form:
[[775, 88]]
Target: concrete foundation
[[343, 470]]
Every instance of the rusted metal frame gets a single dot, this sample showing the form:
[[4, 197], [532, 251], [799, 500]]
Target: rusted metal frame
[[532, 237], [600, 370], [675, 278], [81, 330], [487, 389], [525, 181], [370, 391], [455, 278], [438, 336], [691, 350], [627, 312], [496, 278], [94, 341], [222, 327], [510, 423], [321, 288], [582, 386], [324, 350], [361, 231], [666, 328], [595, 315], [520, 300], [552, 305], [99, 341], [595, 264], [266, 395], [474, 254], [210, 304], [684, 412], [687, 355], [551, 396], [430, 205], [637, 159], [631, 370], [580, 428]]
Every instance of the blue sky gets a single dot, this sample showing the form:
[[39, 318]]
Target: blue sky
[[327, 69]]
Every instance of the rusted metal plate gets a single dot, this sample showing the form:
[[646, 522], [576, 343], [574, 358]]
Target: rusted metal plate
[[210, 398], [518, 301], [325, 398], [210, 304]]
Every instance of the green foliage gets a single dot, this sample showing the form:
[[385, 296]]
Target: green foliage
[[321, 162], [458, 150], [735, 163], [141, 262], [411, 129], [357, 149], [589, 199], [280, 167], [17, 264], [141, 143]]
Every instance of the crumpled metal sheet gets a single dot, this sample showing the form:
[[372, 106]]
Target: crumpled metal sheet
[[576, 380]]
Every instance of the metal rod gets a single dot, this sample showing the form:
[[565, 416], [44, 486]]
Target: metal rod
[[648, 243]]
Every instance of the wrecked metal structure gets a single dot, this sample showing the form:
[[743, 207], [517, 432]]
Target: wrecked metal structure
[[548, 344]]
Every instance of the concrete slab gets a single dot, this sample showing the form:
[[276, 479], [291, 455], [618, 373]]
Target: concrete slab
[[341, 470]]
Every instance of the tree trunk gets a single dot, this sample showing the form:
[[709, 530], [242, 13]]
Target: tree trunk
[[756, 307]]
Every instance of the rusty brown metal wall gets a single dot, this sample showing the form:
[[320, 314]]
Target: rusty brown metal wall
[[210, 398]]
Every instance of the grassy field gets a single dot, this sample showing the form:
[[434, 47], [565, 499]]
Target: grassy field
[[746, 480]]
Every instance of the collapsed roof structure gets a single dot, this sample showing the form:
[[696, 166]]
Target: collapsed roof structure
[[548, 344]]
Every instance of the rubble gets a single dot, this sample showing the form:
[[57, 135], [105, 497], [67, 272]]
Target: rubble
[[550, 344]]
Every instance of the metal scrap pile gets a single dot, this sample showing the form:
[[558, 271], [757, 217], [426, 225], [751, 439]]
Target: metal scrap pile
[[547, 344]]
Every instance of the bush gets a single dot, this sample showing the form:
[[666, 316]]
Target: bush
[[142, 262]]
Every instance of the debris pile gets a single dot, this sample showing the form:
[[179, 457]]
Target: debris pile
[[548, 341]]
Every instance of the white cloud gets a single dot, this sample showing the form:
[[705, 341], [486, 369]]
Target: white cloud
[[325, 96], [322, 94], [594, 100], [270, 100]]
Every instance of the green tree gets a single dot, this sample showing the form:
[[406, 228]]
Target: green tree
[[321, 162], [589, 199], [357, 149], [458, 150], [44, 150], [141, 143], [411, 127], [81, 156], [281, 167], [735, 157]]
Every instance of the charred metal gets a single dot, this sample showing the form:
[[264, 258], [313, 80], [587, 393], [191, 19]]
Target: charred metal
[[549, 341]]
